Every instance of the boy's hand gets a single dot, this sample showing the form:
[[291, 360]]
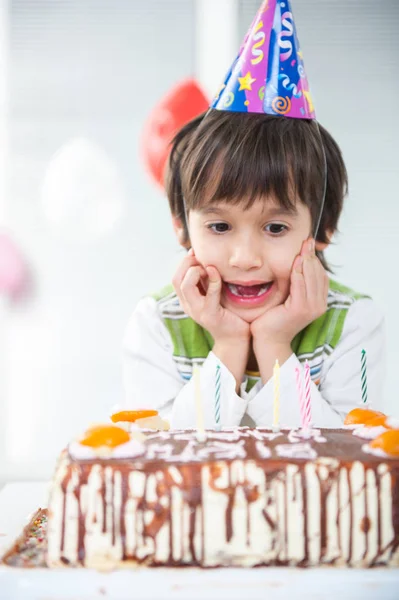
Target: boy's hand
[[306, 302], [199, 291]]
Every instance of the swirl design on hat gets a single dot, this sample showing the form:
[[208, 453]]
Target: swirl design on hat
[[228, 100], [281, 105]]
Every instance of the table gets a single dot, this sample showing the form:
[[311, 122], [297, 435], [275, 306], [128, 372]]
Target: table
[[19, 500]]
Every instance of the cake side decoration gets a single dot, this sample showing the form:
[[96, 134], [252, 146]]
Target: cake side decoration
[[140, 419], [360, 416], [369, 424], [387, 443], [106, 441]]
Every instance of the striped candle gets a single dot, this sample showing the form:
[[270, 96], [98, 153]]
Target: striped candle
[[308, 401], [301, 396], [217, 398], [201, 435], [363, 376], [276, 398]]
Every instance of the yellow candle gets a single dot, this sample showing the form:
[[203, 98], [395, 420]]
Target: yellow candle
[[276, 397], [201, 435]]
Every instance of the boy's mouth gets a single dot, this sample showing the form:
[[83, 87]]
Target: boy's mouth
[[248, 291], [247, 294]]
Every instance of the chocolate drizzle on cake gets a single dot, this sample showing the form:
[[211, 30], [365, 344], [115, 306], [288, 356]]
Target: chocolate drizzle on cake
[[366, 523], [124, 498], [395, 511], [167, 519], [350, 500]]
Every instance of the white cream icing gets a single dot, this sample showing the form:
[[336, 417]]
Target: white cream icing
[[263, 451], [129, 449], [375, 451], [222, 450], [368, 433], [269, 435], [161, 451], [296, 451], [225, 435], [296, 435]]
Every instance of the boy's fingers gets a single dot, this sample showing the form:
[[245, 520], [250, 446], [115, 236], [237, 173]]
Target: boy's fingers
[[316, 289], [189, 288], [188, 262], [312, 279], [214, 288], [308, 247], [298, 287], [323, 282]]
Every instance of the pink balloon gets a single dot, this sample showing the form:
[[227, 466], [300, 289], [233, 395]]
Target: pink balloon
[[14, 275]]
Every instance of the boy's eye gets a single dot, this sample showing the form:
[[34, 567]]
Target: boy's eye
[[219, 227], [275, 228]]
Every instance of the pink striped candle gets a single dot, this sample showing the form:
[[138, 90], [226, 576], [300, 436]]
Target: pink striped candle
[[308, 401], [301, 395]]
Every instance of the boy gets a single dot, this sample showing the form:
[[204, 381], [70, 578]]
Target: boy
[[256, 197]]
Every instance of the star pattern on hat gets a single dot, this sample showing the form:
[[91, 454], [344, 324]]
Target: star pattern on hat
[[246, 82]]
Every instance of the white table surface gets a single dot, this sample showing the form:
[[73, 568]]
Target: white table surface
[[19, 500]]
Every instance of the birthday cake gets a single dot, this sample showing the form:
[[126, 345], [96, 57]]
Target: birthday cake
[[240, 497]]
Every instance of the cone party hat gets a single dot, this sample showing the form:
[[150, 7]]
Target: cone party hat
[[268, 75]]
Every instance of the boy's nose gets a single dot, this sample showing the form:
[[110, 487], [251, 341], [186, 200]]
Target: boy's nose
[[245, 256]]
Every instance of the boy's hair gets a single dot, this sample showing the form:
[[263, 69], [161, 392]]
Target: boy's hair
[[240, 157], [173, 176]]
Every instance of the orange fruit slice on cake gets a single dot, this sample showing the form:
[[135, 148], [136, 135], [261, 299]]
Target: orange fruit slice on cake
[[132, 415], [388, 442], [362, 416], [379, 421], [104, 435]]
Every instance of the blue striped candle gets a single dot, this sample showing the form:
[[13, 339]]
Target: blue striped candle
[[363, 376]]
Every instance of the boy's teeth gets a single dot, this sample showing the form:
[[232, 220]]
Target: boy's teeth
[[234, 290]]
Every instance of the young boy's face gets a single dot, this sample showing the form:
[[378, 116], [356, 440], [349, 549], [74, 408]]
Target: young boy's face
[[253, 249]]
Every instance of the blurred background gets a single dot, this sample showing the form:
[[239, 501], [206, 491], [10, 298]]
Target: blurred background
[[85, 227]]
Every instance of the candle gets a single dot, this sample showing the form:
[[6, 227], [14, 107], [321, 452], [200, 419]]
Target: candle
[[308, 401], [301, 396], [363, 376], [217, 398], [276, 397], [201, 435]]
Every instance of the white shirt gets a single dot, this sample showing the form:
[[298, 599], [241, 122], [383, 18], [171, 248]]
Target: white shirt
[[152, 380]]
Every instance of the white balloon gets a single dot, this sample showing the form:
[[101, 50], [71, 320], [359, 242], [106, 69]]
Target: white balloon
[[82, 194]]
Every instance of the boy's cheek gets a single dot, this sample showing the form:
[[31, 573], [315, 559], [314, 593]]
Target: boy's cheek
[[206, 258]]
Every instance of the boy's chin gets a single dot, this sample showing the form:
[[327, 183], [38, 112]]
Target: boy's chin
[[249, 315]]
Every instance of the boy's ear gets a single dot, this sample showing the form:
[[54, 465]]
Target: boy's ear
[[180, 232]]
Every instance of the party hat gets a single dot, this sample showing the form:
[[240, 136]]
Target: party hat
[[268, 75]]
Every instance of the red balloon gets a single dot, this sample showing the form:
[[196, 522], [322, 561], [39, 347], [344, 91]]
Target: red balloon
[[184, 102]]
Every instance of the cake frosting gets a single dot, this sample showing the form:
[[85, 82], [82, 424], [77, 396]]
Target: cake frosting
[[243, 497]]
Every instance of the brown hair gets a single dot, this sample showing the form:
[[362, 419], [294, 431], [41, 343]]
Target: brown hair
[[241, 157], [173, 176]]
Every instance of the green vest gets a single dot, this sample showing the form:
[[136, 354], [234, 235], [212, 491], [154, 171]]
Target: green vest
[[192, 343]]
